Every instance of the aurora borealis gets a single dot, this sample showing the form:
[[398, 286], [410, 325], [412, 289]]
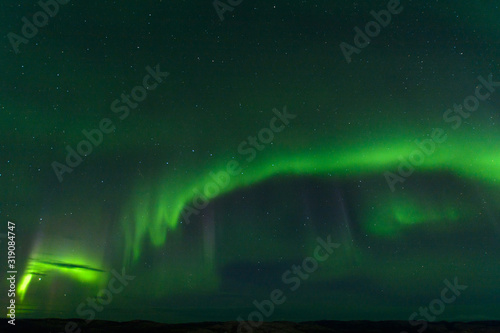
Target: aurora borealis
[[213, 180]]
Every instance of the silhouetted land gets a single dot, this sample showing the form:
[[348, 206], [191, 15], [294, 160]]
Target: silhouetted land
[[98, 326]]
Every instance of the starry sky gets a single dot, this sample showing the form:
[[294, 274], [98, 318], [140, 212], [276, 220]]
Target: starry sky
[[254, 137]]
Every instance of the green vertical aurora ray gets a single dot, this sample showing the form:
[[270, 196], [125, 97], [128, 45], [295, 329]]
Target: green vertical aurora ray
[[158, 206]]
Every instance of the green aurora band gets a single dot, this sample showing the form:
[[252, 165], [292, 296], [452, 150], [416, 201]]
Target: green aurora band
[[158, 207]]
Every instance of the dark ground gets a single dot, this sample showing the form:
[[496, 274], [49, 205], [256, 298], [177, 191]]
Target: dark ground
[[57, 326]]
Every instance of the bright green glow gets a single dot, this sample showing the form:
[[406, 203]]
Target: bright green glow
[[396, 214], [75, 267], [23, 287], [158, 207]]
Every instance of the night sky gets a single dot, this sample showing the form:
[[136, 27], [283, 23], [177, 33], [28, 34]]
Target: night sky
[[205, 157]]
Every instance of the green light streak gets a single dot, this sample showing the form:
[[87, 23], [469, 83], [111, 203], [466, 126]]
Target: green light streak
[[23, 287], [77, 268]]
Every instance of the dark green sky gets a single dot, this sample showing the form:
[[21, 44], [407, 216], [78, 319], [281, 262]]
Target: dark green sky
[[322, 172]]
